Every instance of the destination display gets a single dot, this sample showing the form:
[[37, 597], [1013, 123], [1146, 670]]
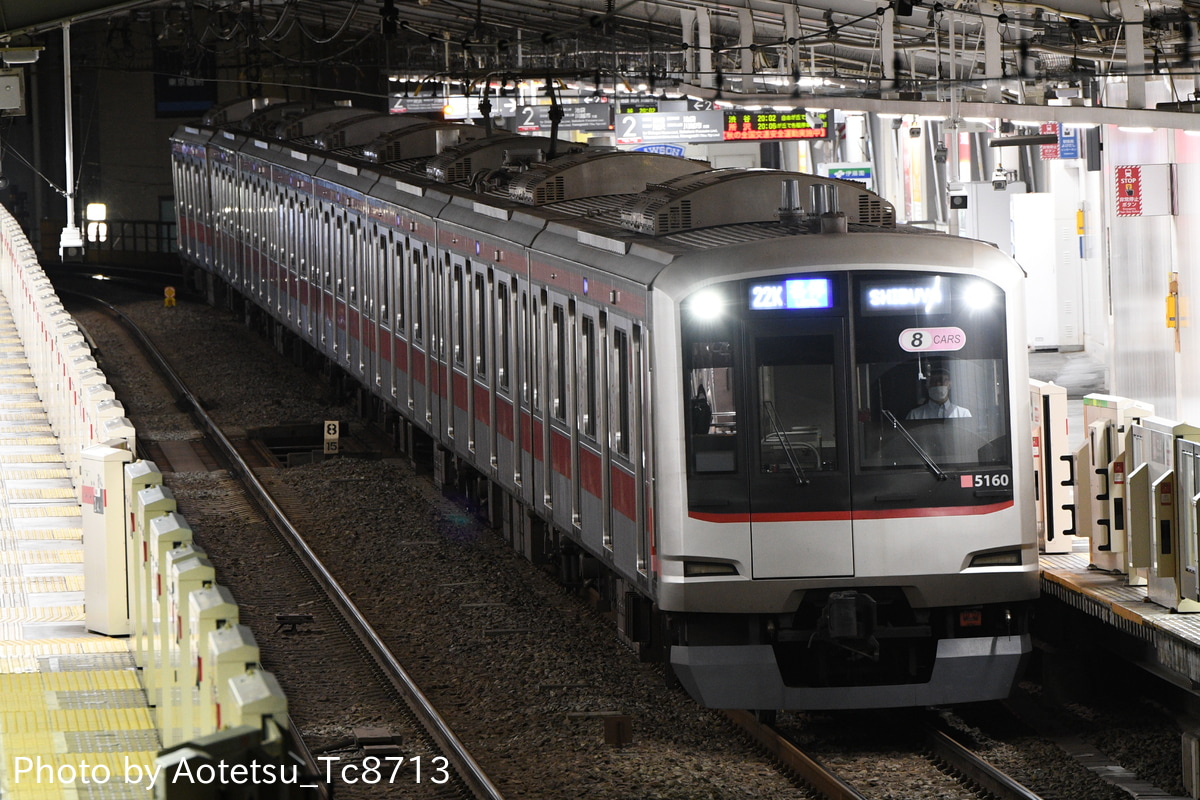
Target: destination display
[[742, 125], [794, 293], [887, 297], [576, 117], [697, 127]]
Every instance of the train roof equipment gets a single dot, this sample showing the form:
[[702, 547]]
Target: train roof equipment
[[733, 196], [459, 163], [307, 126], [421, 138], [593, 173], [228, 113]]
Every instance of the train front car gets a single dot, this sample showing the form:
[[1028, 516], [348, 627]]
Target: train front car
[[847, 469]]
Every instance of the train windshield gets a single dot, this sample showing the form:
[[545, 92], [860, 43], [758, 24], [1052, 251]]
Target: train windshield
[[808, 394], [929, 374]]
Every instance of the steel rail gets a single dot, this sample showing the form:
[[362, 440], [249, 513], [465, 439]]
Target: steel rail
[[468, 770], [971, 768], [804, 766]]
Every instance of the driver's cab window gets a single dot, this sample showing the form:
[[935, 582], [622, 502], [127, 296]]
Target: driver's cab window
[[952, 409], [930, 380]]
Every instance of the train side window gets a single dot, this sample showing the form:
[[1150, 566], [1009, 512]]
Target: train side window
[[459, 303], [558, 340], [418, 275], [504, 335], [712, 420], [538, 352], [401, 282], [587, 400], [481, 324], [386, 271], [326, 226], [352, 262], [621, 423]]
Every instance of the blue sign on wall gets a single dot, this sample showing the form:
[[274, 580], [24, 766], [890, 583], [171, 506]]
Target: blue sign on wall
[[662, 149], [1068, 142]]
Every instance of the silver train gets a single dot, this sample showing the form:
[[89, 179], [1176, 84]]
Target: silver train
[[719, 415]]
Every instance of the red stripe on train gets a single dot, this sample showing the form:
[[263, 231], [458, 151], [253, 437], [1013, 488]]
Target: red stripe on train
[[830, 516]]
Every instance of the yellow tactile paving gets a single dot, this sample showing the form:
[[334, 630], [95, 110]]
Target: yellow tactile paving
[[41, 556], [73, 699], [40, 584], [58, 647], [42, 534], [49, 493], [26, 512], [34, 474], [38, 615]]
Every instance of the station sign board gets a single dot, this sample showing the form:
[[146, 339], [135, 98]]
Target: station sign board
[[576, 117], [667, 127], [456, 106]]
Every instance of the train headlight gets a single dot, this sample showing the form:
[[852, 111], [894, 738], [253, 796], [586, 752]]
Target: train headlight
[[707, 305], [979, 296]]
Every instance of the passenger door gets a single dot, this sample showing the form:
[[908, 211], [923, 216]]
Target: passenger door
[[798, 454]]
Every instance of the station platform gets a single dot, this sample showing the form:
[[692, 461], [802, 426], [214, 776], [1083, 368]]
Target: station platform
[[73, 716], [1172, 640]]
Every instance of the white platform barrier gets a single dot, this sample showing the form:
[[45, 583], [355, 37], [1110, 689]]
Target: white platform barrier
[[1051, 459], [188, 569], [134, 540], [254, 698], [105, 562], [211, 608], [1100, 477], [231, 651], [57, 353], [138, 476]]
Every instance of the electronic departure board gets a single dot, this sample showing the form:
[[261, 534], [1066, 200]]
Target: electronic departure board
[[742, 125]]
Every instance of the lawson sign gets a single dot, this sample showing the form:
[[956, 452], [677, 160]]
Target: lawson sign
[[662, 149]]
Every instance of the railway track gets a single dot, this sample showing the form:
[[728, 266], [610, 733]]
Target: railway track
[[954, 767], [215, 448]]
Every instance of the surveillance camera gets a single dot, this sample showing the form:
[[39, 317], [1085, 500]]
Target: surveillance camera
[[914, 131], [939, 153], [1000, 179]]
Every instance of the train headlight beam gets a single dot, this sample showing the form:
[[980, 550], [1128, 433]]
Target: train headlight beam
[[979, 296], [707, 306]]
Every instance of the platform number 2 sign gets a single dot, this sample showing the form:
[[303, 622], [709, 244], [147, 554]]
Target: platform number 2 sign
[[332, 432]]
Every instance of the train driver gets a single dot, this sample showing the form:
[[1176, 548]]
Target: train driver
[[938, 404]]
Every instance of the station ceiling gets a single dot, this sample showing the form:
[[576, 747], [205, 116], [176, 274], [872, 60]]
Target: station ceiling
[[839, 43]]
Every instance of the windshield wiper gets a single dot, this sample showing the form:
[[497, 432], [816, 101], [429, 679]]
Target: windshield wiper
[[929, 462], [793, 462]]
